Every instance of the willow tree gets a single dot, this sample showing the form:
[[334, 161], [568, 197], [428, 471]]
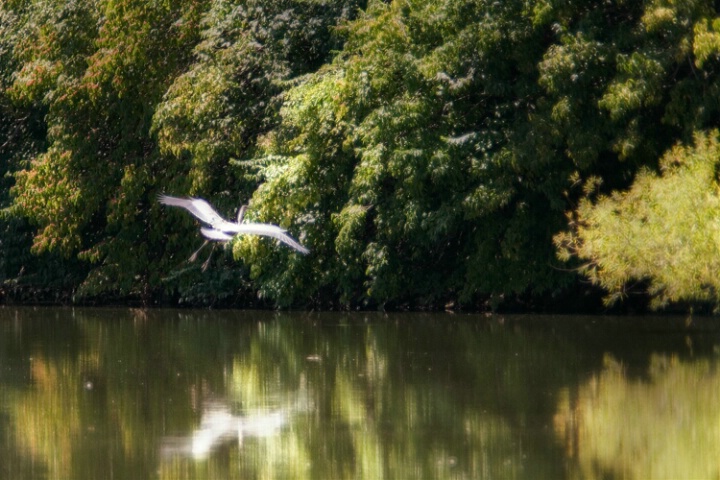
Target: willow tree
[[663, 230], [664, 103]]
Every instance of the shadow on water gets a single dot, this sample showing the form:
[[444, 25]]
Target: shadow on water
[[175, 394]]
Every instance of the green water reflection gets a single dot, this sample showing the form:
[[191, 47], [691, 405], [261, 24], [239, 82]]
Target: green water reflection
[[91, 393]]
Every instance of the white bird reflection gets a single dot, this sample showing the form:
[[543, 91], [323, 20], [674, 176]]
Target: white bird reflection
[[219, 425]]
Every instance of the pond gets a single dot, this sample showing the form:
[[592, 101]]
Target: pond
[[187, 394]]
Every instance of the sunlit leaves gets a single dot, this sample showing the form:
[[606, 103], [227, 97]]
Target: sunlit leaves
[[424, 151], [664, 90], [706, 43], [664, 230], [397, 144], [97, 68]]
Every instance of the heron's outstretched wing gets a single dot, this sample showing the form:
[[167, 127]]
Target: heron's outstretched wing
[[200, 208], [222, 229], [262, 229], [273, 231], [213, 234]]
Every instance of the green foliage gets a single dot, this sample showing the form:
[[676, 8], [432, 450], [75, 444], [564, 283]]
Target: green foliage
[[97, 69], [248, 52], [217, 112], [22, 136], [425, 152], [664, 229], [664, 92], [138, 98], [432, 159], [392, 158]]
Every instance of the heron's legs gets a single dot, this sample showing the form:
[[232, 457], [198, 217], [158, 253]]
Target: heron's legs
[[193, 257], [207, 262]]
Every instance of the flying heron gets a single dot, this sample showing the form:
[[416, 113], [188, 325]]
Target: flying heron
[[222, 230]]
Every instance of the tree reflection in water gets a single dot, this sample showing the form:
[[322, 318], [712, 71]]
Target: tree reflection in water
[[665, 424], [194, 395]]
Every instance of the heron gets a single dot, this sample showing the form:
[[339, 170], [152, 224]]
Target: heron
[[222, 230]]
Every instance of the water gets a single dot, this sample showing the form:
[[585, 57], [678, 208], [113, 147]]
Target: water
[[169, 394]]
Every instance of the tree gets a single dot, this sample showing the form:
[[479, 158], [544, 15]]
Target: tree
[[23, 132], [660, 228], [140, 98], [406, 164], [97, 69], [663, 230], [426, 152], [214, 115]]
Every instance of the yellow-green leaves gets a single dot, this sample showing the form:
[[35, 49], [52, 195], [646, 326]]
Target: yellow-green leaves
[[665, 230], [424, 151], [706, 43], [96, 71], [638, 85]]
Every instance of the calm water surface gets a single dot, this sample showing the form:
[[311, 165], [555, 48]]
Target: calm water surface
[[169, 394]]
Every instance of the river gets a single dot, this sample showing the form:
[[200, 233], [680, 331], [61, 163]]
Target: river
[[191, 394]]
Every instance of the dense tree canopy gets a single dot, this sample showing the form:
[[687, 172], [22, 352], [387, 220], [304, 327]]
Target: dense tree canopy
[[426, 152], [665, 229]]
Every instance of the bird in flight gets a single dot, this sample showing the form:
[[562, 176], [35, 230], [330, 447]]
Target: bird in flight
[[223, 230]]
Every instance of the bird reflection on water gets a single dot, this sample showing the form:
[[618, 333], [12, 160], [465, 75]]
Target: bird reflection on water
[[219, 426]]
